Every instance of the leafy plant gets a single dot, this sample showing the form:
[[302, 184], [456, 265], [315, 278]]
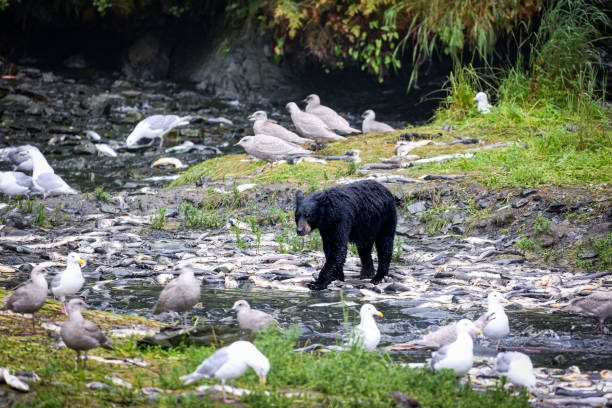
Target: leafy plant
[[542, 225], [158, 221], [41, 215], [100, 194], [240, 242], [524, 244], [397, 249]]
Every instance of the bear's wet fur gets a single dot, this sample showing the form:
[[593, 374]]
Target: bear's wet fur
[[363, 213]]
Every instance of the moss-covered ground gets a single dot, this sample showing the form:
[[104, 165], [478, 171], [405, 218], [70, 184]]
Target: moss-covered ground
[[554, 155], [353, 378]]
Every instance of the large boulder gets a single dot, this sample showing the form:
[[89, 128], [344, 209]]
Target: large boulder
[[148, 58], [241, 68]]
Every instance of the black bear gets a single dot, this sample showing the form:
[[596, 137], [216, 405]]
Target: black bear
[[363, 213]]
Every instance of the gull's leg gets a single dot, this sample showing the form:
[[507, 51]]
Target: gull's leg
[[78, 357], [228, 401]]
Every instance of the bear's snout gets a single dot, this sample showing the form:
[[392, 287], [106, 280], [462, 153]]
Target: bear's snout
[[303, 228]]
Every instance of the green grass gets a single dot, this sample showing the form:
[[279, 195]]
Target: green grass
[[347, 379]]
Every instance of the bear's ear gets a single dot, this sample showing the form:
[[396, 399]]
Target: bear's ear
[[299, 196]]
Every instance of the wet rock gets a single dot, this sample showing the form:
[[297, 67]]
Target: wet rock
[[85, 147], [416, 208], [102, 103], [528, 192], [108, 208], [20, 103], [520, 202], [458, 229], [97, 385]]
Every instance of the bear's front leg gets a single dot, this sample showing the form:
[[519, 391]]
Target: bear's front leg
[[335, 247]]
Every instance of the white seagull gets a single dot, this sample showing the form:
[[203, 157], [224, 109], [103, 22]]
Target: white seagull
[[498, 326], [370, 125], [231, 362], [311, 126], [44, 178], [14, 183], [154, 127], [483, 103], [517, 367], [366, 334], [263, 126], [459, 355], [334, 121], [70, 280]]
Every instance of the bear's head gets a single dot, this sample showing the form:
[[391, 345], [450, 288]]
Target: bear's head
[[307, 213]]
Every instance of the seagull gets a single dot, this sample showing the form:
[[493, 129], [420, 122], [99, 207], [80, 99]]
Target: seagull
[[14, 183], [497, 326], [19, 161], [80, 334], [263, 126], [44, 178], [370, 125], [441, 337], [231, 362], [154, 127], [483, 103], [334, 121], [597, 304], [366, 334], [457, 356], [30, 297], [517, 367], [252, 319], [270, 148], [310, 126], [70, 280], [180, 294]]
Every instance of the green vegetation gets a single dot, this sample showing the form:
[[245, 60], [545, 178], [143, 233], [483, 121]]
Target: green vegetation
[[549, 110], [41, 216], [158, 221], [525, 244], [101, 195], [351, 379], [195, 218], [602, 247]]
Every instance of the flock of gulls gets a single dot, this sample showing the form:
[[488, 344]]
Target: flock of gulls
[[454, 342], [271, 142]]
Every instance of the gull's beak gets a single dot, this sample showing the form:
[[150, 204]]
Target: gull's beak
[[478, 331], [251, 117], [82, 262], [379, 314], [507, 301], [237, 144]]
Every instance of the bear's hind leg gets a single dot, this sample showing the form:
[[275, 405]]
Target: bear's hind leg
[[384, 249], [367, 266]]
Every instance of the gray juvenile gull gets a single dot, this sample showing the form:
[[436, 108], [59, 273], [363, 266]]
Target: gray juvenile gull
[[497, 326], [334, 121], [370, 125], [263, 126], [457, 356], [597, 304], [80, 334], [270, 148], [366, 334], [180, 294], [70, 280], [44, 178], [231, 362], [252, 319], [154, 127], [517, 367], [30, 297], [19, 161], [310, 126], [441, 337], [14, 183], [483, 103]]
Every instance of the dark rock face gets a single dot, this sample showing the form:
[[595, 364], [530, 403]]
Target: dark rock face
[[148, 58], [240, 68]]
